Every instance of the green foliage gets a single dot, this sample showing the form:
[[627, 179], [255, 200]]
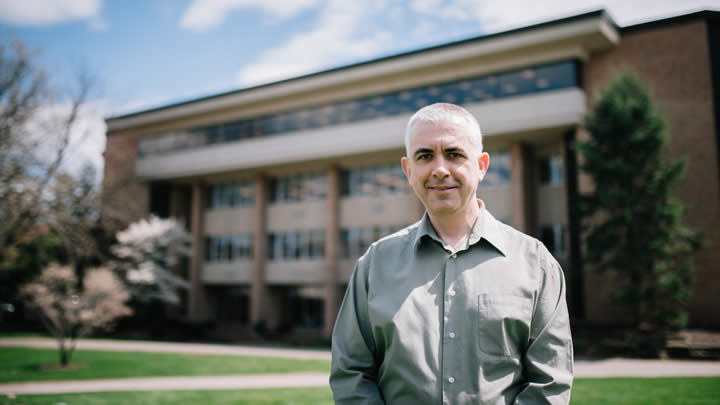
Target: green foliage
[[632, 222], [22, 263]]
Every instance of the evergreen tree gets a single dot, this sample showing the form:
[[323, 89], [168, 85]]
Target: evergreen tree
[[633, 224]]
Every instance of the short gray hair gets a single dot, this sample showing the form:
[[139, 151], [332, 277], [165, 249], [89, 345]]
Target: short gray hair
[[445, 112]]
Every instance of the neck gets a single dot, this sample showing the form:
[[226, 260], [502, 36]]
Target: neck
[[454, 228]]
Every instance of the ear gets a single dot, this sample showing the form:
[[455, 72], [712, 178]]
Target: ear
[[405, 167], [483, 164]]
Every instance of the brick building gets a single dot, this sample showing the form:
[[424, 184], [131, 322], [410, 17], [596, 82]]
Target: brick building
[[284, 185]]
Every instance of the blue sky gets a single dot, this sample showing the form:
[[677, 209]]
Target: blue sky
[[149, 53]]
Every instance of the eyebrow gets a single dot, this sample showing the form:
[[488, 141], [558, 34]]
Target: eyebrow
[[454, 149], [451, 149], [421, 151]]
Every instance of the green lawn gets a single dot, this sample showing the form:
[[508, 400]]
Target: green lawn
[[294, 396], [22, 364], [646, 391], [615, 391]]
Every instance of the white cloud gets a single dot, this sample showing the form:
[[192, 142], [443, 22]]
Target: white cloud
[[205, 14], [345, 32], [98, 24], [87, 136], [500, 15], [43, 12], [348, 31]]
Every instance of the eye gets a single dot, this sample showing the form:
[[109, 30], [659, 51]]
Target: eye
[[455, 155], [424, 156]]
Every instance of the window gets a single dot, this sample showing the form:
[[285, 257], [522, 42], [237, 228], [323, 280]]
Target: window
[[307, 312], [373, 181], [310, 187], [227, 248], [553, 237], [231, 195], [550, 171], [527, 80], [296, 245], [498, 173]]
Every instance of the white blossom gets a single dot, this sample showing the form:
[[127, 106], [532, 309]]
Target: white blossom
[[68, 311], [148, 252]]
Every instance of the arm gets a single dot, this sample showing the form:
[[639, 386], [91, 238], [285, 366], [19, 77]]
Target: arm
[[353, 375], [548, 363]]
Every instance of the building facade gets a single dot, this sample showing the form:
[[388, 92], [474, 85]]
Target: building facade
[[285, 185]]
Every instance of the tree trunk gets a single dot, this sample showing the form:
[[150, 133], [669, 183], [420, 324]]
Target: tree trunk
[[64, 357]]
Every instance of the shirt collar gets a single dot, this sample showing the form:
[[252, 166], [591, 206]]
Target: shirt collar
[[486, 227]]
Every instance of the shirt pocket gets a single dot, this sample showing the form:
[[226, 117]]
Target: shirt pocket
[[503, 324]]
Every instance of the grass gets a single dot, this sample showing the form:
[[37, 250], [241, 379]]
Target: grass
[[647, 391], [615, 391], [13, 334], [290, 396], [23, 364]]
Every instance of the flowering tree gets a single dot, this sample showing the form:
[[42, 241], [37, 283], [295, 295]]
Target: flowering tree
[[148, 250], [69, 312]]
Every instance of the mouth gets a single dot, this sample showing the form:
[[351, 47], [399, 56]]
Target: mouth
[[441, 188]]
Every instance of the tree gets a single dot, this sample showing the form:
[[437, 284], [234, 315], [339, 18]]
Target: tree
[[46, 214], [69, 311], [632, 221], [36, 126], [148, 251]]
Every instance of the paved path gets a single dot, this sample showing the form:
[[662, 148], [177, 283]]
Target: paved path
[[614, 367], [226, 382]]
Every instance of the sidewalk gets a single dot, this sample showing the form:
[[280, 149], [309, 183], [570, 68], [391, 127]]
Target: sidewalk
[[584, 368]]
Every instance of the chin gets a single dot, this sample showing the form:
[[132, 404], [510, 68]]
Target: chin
[[442, 208]]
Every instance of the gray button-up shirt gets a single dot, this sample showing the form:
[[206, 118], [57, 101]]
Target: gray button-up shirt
[[421, 324]]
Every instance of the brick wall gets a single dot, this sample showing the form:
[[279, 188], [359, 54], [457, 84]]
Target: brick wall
[[674, 61], [125, 199]]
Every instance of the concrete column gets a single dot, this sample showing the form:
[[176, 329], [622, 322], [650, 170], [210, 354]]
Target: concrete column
[[258, 290], [198, 308], [332, 226], [523, 189]]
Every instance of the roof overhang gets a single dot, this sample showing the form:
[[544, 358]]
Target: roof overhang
[[549, 110], [577, 37]]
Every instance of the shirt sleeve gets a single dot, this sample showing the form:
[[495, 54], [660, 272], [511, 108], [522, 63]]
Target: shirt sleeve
[[548, 363], [353, 374]]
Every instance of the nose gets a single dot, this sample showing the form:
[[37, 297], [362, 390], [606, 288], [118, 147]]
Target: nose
[[440, 169]]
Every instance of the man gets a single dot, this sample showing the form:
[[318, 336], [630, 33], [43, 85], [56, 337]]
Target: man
[[457, 308]]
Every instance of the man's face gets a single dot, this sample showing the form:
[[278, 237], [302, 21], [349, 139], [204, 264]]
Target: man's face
[[444, 167]]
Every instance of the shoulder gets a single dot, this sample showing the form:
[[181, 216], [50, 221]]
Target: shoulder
[[389, 248], [394, 242]]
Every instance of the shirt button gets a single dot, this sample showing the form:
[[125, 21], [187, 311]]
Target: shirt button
[[451, 380], [452, 335], [452, 293], [453, 256]]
